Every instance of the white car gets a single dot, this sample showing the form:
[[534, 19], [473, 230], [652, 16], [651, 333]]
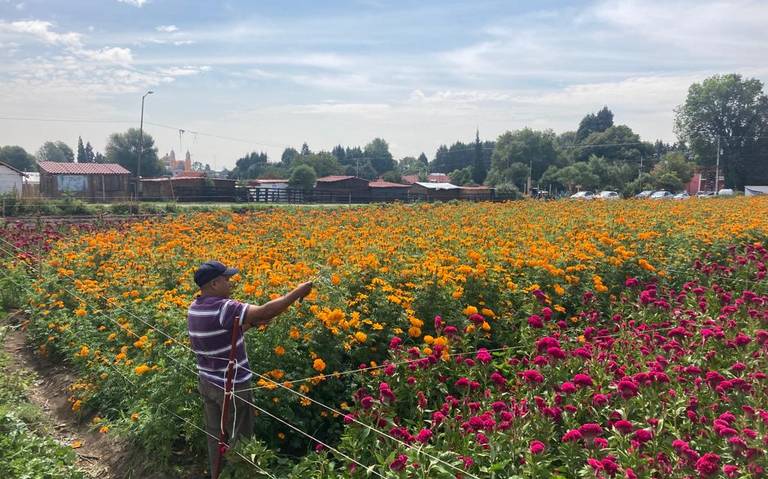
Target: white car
[[725, 192], [681, 196], [705, 194], [608, 195], [583, 195], [661, 195]]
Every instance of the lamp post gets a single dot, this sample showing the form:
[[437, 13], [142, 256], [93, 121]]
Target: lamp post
[[141, 144]]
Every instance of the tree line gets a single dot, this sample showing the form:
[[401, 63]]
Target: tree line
[[727, 112]]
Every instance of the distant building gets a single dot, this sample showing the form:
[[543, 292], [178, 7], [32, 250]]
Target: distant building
[[476, 193], [438, 178], [338, 188], [11, 180], [427, 191], [87, 181], [269, 183], [177, 167], [410, 179], [188, 188], [387, 191]]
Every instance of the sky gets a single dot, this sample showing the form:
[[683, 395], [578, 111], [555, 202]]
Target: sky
[[241, 76]]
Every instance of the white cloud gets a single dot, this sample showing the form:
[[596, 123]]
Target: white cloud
[[135, 3], [42, 30], [120, 56], [167, 28]]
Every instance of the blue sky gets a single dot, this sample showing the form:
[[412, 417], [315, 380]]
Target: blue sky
[[272, 74]]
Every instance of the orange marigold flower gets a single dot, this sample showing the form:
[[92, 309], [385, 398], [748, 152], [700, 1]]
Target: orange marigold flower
[[318, 365]]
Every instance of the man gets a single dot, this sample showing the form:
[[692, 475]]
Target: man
[[211, 319]]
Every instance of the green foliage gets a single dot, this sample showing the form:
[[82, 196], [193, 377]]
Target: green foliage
[[323, 163], [249, 166], [461, 177], [594, 123], [17, 157], [123, 149], [304, 177], [392, 176], [377, 151], [735, 110], [534, 150], [57, 151]]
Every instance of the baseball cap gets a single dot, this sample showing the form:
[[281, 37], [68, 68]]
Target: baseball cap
[[211, 270]]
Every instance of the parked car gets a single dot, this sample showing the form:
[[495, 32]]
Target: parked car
[[608, 195], [661, 195], [583, 195], [681, 196], [725, 192], [705, 194], [644, 194]]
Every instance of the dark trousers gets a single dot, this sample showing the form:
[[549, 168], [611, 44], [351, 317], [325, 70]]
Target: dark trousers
[[213, 400]]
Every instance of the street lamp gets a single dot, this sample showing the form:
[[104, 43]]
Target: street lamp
[[141, 142]]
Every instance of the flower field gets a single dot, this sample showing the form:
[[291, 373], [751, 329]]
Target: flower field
[[524, 339]]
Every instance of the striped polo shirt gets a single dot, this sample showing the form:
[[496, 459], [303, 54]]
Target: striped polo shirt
[[210, 320]]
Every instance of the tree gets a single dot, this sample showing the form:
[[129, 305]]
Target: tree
[[289, 154], [616, 144], [305, 149], [577, 175], [479, 169], [17, 157], [80, 151], [89, 155], [340, 153], [594, 123], [423, 160], [323, 163], [303, 176], [249, 166], [377, 151], [393, 176], [533, 149], [677, 164], [461, 177], [123, 149], [410, 166], [99, 158], [55, 151], [733, 110]]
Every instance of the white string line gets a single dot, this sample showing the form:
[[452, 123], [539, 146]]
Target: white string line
[[377, 431], [196, 372], [109, 363]]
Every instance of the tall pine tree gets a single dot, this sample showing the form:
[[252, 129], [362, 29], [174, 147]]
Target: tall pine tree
[[478, 171], [80, 151]]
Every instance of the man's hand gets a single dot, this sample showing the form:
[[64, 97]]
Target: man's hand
[[258, 315]]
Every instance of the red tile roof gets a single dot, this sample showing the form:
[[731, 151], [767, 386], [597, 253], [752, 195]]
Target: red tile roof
[[332, 178], [56, 168], [410, 179], [386, 184]]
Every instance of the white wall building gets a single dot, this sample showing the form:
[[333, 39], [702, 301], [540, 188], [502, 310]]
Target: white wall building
[[11, 180]]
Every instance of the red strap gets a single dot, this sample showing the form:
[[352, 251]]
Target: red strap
[[228, 386]]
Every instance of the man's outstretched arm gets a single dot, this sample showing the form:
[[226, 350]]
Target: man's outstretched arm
[[258, 315]]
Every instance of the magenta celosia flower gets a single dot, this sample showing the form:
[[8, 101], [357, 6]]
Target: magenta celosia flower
[[536, 447], [535, 321], [572, 435], [600, 399], [424, 436], [394, 343], [623, 426], [590, 429], [708, 464], [477, 319], [366, 402], [532, 376], [399, 463], [582, 380], [643, 435], [567, 387]]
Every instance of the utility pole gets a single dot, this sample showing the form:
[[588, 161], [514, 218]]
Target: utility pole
[[640, 171], [717, 167], [141, 144]]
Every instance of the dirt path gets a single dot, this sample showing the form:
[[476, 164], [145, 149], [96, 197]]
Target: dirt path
[[101, 456]]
